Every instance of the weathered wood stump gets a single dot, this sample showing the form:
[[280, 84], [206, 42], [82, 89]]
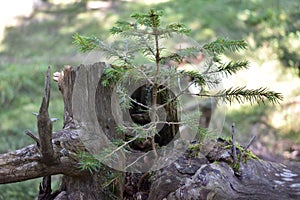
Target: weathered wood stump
[[91, 108]]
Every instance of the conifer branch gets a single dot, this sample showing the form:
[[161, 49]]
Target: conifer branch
[[84, 43], [232, 67], [241, 94], [220, 45], [196, 76], [122, 26], [178, 28], [177, 96], [148, 49], [174, 57], [136, 160], [111, 153], [138, 103]]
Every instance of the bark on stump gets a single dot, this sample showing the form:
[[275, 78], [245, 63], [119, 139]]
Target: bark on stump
[[203, 174]]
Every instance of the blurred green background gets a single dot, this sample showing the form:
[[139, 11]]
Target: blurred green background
[[37, 34]]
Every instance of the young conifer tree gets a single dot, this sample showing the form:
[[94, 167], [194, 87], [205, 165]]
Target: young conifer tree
[[140, 54]]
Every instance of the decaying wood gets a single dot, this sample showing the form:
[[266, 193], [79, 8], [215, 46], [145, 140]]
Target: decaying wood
[[45, 126], [210, 176], [97, 98], [247, 146], [57, 153], [34, 137], [140, 114], [24, 164], [66, 80], [206, 174], [45, 189]]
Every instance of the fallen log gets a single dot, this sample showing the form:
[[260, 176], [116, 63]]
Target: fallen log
[[210, 175]]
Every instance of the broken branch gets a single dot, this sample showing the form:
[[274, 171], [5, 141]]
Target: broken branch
[[45, 126], [233, 144], [34, 137], [247, 146]]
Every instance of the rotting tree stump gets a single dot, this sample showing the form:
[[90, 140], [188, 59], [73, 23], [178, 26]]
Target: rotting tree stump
[[57, 153], [205, 174]]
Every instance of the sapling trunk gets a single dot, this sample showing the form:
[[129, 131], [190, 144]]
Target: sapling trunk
[[155, 86]]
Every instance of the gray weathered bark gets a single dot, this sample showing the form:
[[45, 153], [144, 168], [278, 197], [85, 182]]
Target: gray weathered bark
[[209, 175], [203, 174], [57, 153]]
